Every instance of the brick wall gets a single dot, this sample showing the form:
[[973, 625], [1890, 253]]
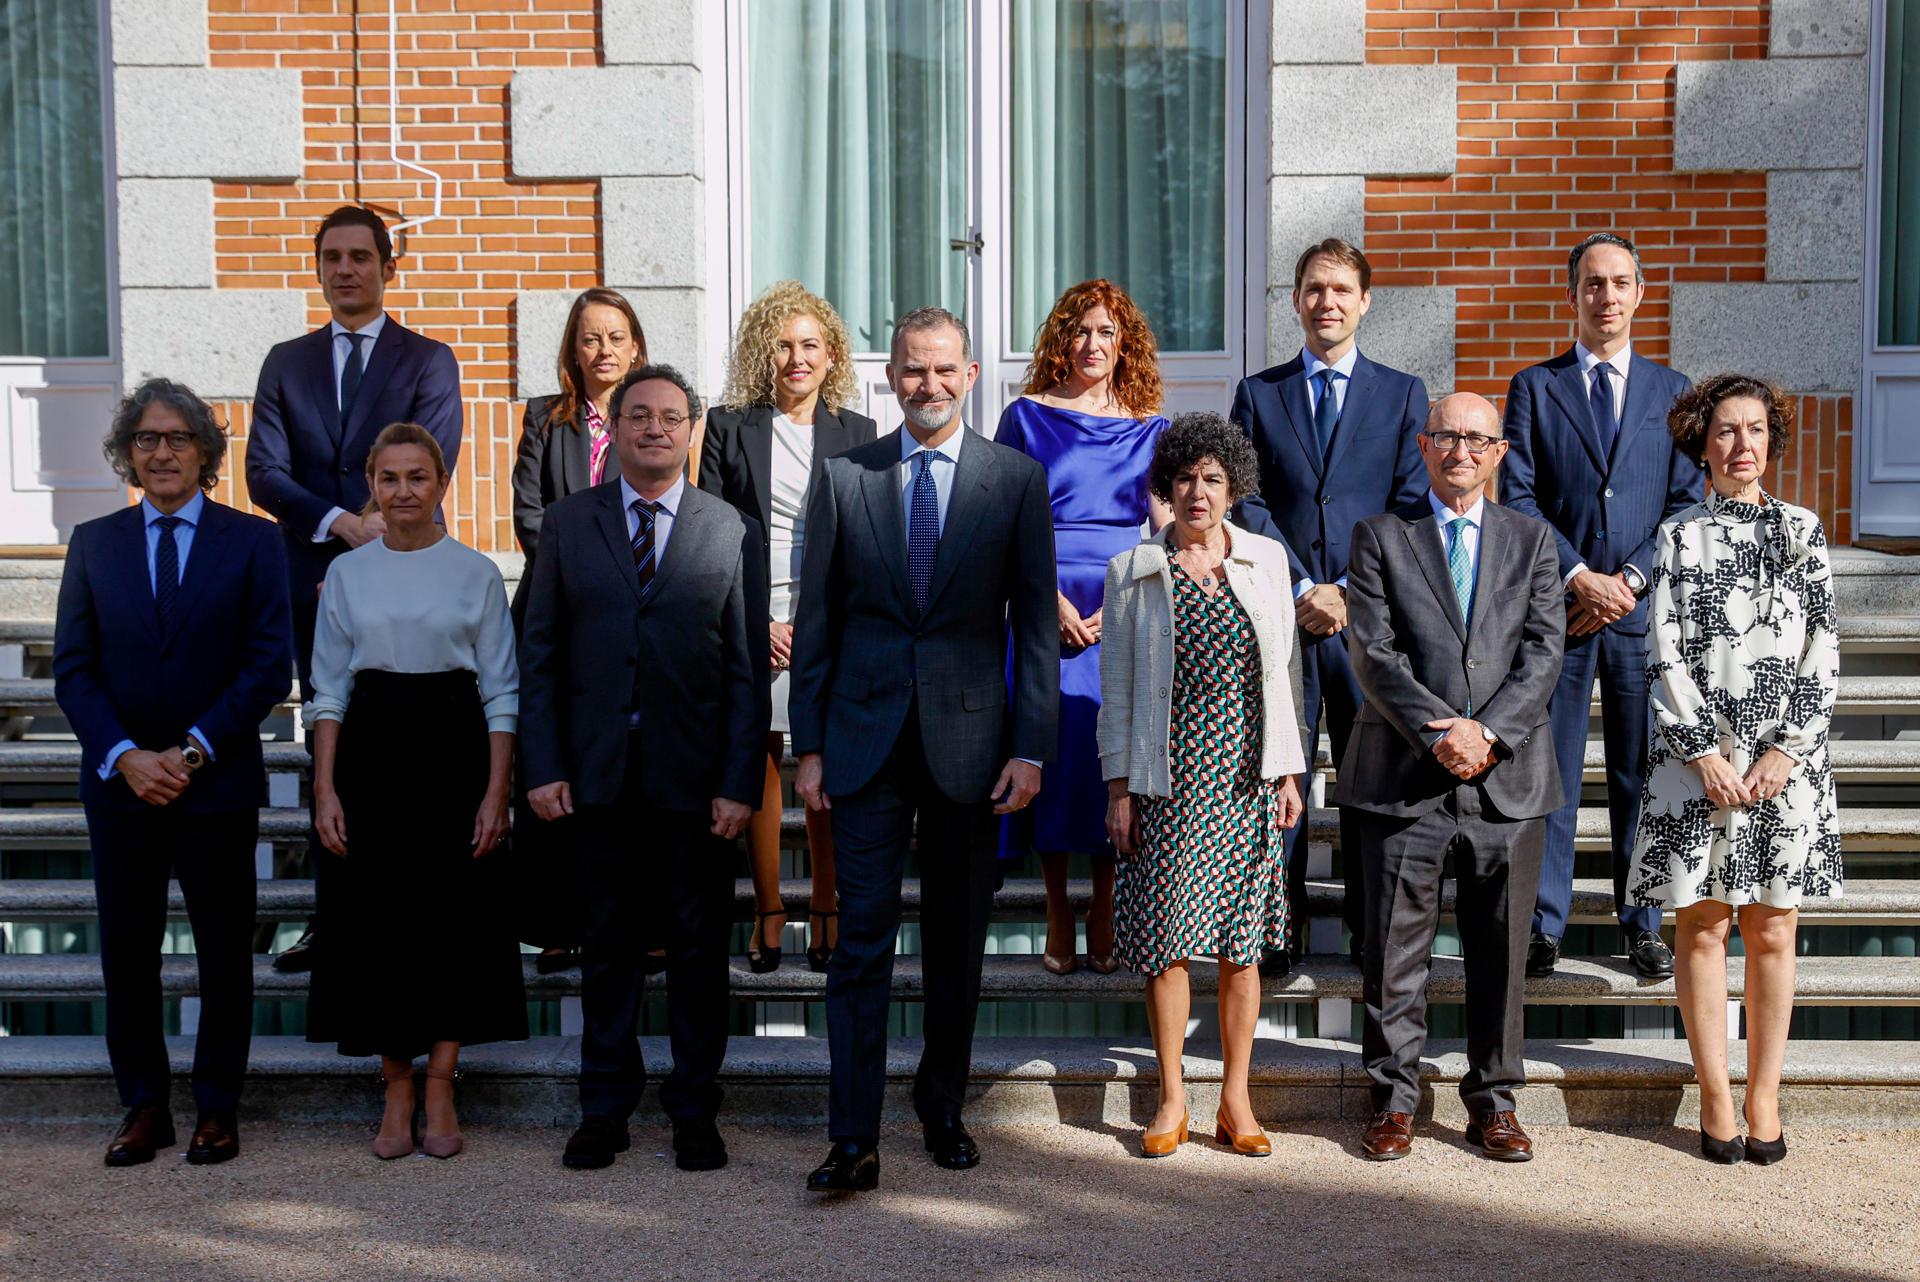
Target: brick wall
[[497, 235], [1566, 127]]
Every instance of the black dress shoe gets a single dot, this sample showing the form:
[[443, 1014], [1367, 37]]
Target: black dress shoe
[[697, 1146], [951, 1146], [1543, 954], [851, 1167], [216, 1138], [1275, 962], [1649, 954], [1726, 1152], [298, 958], [147, 1129], [593, 1145], [1766, 1152]]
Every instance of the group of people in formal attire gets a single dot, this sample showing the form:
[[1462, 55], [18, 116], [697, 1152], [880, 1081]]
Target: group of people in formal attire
[[1096, 632]]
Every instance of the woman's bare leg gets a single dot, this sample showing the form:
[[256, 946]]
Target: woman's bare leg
[[1169, 1001], [1700, 982], [1770, 936], [1239, 1016]]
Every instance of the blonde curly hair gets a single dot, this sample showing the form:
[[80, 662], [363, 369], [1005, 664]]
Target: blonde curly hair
[[750, 368]]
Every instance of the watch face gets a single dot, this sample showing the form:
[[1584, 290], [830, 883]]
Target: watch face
[[193, 757]]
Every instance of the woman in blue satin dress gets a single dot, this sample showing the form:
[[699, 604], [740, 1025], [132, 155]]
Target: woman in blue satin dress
[[1090, 413]]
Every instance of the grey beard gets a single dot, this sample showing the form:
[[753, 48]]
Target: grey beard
[[928, 419]]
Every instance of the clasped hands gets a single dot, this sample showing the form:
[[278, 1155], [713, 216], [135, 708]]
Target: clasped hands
[[1321, 609], [553, 801], [1598, 599], [1464, 749], [155, 777], [1726, 786]]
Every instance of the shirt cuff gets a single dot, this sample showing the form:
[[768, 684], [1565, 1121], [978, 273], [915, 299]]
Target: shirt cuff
[[113, 756], [325, 532], [1341, 583], [1575, 570], [205, 746], [1302, 587], [1030, 761]]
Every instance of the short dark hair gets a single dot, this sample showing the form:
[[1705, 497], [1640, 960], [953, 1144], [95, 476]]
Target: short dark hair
[[647, 373], [1191, 439], [207, 431], [1594, 241], [1340, 251], [925, 318], [1693, 410], [355, 216]]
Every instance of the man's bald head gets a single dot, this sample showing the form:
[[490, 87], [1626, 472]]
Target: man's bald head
[[1464, 412], [1462, 446]]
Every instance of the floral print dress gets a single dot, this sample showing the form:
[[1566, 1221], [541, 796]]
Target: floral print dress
[[1209, 877], [1742, 656]]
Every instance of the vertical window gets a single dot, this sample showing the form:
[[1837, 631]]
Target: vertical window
[[1119, 148], [53, 208], [857, 142]]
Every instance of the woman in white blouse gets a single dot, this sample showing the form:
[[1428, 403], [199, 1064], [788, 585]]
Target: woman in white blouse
[[788, 386], [416, 695], [1737, 816]]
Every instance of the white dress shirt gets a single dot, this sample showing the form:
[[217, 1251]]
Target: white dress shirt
[[342, 346], [189, 515], [1616, 375], [1344, 369], [669, 507], [946, 461]]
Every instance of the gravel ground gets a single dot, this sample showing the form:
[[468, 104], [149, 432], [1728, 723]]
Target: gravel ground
[[1050, 1202]]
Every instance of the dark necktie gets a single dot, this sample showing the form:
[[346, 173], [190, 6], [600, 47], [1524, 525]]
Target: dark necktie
[[350, 376], [643, 557], [923, 530], [166, 571], [1600, 396], [1326, 415]]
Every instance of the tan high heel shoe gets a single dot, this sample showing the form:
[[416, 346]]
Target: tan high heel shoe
[[1254, 1145], [388, 1149], [1164, 1143], [443, 1146]]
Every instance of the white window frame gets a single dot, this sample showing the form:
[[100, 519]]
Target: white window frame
[[1888, 373]]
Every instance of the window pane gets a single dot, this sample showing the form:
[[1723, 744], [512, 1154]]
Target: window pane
[[857, 151], [1900, 179], [1119, 160], [53, 207]]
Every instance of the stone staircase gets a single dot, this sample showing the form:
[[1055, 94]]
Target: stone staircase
[[1859, 954]]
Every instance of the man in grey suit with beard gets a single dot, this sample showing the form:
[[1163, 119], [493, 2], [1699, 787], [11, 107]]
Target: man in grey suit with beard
[[1455, 631], [929, 556]]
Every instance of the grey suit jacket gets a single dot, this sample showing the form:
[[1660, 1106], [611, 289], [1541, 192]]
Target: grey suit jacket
[[1418, 662], [699, 642], [862, 654]]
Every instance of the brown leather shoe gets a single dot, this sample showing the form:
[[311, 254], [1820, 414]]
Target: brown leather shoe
[[147, 1129], [1500, 1137], [215, 1139], [1388, 1136]]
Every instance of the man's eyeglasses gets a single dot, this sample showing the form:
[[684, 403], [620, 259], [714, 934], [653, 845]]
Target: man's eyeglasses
[[178, 442], [641, 420], [1475, 442]]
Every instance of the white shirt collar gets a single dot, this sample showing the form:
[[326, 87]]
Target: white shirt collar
[[1343, 367], [670, 501], [1621, 360], [948, 449], [371, 329], [190, 512], [1447, 514]]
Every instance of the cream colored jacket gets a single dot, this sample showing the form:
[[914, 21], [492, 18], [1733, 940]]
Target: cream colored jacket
[[1137, 643]]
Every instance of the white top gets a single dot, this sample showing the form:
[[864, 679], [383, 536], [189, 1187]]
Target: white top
[[441, 609], [669, 505], [792, 470], [946, 461]]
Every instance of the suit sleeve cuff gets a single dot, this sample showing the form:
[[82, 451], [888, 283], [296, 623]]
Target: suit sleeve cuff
[[324, 530], [113, 758]]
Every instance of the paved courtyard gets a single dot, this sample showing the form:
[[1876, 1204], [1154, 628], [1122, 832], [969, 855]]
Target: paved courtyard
[[308, 1203]]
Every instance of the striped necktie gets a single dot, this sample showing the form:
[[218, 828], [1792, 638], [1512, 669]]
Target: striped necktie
[[1459, 566], [643, 557], [923, 530], [166, 571]]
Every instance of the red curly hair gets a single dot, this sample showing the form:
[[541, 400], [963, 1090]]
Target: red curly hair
[[1136, 374]]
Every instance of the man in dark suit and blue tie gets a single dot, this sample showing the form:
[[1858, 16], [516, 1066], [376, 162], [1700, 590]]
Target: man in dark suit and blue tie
[[170, 648], [1338, 440], [321, 400], [1591, 457], [928, 564]]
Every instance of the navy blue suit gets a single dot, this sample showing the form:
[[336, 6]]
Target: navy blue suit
[[1604, 507], [1372, 465], [221, 666]]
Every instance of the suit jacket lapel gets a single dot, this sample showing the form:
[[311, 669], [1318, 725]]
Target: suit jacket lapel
[[1425, 542], [887, 513], [1293, 398], [1358, 389], [830, 437], [972, 483], [576, 453], [1491, 566], [613, 524], [203, 564], [688, 536], [325, 392], [756, 454], [1633, 410], [1569, 388], [130, 550], [380, 363]]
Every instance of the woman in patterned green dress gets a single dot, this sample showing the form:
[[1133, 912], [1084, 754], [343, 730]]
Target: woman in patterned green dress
[[1201, 746]]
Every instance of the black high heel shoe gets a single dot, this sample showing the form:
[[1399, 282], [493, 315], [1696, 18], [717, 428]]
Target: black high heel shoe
[[817, 955], [1765, 1152], [763, 958], [1726, 1152]]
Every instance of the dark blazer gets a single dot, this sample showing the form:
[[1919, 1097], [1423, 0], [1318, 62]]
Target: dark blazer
[[553, 460], [699, 641], [226, 662], [1417, 662], [862, 655], [1374, 464], [1604, 508], [736, 462], [302, 460]]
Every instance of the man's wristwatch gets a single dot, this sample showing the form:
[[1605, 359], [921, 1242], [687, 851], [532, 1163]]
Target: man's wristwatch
[[1492, 738], [191, 757]]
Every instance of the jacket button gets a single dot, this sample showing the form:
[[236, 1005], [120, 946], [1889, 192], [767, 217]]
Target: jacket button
[[1166, 632], [1473, 663], [1325, 499], [346, 471], [1318, 544], [1609, 491], [1163, 692]]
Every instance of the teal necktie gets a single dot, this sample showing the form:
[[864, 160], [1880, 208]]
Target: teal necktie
[[1459, 566]]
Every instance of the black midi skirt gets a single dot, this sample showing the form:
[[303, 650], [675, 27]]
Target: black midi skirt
[[419, 946]]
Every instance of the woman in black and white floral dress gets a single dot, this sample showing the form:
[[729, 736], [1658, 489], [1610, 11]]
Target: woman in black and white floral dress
[[1738, 814]]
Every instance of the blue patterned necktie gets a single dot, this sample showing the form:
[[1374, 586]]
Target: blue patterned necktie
[[1326, 415], [1459, 566], [643, 558], [923, 530], [1600, 397], [350, 375], [166, 571]]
